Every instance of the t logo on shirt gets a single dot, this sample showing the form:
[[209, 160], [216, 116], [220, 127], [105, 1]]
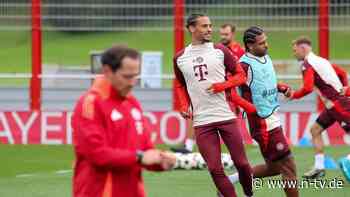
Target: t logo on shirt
[[200, 71]]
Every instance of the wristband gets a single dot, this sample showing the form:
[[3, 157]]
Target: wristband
[[139, 156]]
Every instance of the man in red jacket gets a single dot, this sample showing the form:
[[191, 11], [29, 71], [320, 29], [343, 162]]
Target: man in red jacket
[[111, 143]]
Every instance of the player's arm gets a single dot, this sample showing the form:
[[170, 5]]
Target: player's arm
[[308, 84], [235, 74], [90, 140], [347, 91], [238, 76], [234, 79], [238, 100], [284, 88], [246, 105], [181, 94], [343, 76]]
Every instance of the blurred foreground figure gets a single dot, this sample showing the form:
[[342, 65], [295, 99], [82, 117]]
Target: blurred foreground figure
[[111, 143]]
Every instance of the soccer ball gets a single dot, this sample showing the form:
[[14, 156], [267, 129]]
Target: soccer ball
[[226, 161], [200, 163], [178, 160], [187, 161]]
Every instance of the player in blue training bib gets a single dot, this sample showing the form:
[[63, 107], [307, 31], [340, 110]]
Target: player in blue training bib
[[261, 90], [263, 84]]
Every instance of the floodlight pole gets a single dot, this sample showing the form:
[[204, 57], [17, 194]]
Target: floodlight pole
[[35, 82]]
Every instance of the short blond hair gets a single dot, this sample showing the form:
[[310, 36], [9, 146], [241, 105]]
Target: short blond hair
[[302, 40]]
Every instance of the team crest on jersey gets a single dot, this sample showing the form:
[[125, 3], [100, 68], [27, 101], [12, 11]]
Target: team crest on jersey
[[280, 146], [198, 60], [136, 114], [115, 115]]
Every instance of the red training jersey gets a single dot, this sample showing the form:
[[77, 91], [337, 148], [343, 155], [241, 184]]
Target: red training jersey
[[311, 78], [236, 49]]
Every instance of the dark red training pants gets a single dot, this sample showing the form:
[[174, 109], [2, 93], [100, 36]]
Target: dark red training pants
[[208, 141]]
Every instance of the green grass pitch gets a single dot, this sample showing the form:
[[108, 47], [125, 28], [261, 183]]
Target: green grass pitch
[[41, 171]]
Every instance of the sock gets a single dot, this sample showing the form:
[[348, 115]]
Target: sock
[[319, 161], [234, 178], [189, 143]]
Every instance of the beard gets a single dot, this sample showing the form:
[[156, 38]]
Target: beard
[[224, 42], [261, 54]]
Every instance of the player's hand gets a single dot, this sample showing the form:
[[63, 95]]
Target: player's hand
[[216, 88], [285, 89], [288, 93], [186, 113], [168, 160], [151, 157], [210, 90], [345, 91], [342, 91]]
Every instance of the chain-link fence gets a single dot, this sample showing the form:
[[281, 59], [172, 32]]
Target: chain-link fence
[[157, 15], [74, 28]]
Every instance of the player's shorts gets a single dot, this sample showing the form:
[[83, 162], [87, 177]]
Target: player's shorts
[[339, 113], [273, 144]]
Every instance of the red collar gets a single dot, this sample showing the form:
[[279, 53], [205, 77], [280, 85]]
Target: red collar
[[104, 88]]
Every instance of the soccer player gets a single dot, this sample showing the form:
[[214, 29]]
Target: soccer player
[[227, 35], [261, 90], [328, 80], [201, 70], [111, 143]]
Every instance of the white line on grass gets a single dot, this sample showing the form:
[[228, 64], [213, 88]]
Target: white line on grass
[[39, 174], [24, 175], [63, 171]]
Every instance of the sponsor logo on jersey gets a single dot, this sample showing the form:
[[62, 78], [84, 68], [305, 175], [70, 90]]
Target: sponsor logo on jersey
[[115, 115]]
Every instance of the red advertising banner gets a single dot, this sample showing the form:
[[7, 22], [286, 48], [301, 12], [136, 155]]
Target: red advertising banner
[[17, 127]]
